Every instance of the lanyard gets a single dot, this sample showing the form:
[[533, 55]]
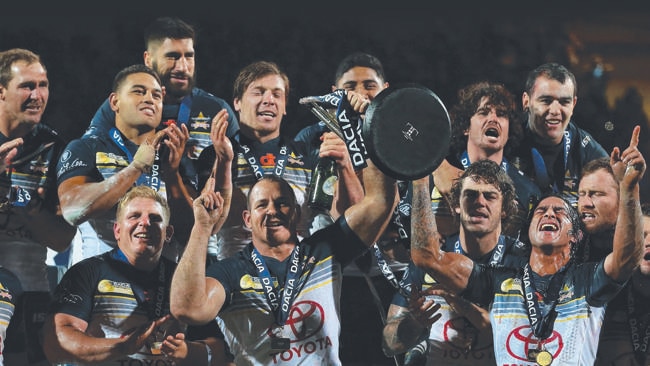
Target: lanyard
[[497, 252], [152, 181], [639, 343], [280, 303], [184, 109], [402, 287], [542, 325], [464, 159], [155, 309], [541, 173], [257, 169]]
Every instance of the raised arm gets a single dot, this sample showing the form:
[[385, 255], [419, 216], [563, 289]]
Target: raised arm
[[195, 298], [444, 177], [452, 270], [628, 167], [222, 168], [369, 218], [179, 197], [82, 198], [349, 189]]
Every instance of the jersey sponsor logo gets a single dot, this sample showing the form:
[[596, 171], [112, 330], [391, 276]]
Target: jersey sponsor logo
[[302, 350], [108, 286], [512, 284], [521, 340], [103, 158], [306, 319], [459, 333], [66, 165], [267, 160], [66, 297], [247, 282]]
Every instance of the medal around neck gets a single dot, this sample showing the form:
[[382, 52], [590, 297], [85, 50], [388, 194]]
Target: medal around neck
[[279, 344], [544, 358]]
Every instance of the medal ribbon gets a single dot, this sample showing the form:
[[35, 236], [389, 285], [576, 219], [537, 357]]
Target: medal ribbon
[[144, 179], [155, 309], [280, 303], [497, 252], [257, 169], [640, 345], [464, 159], [542, 325], [541, 174], [402, 287], [184, 109]]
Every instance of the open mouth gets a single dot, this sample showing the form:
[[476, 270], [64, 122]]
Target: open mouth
[[33, 107], [274, 223], [148, 111], [548, 227], [587, 216], [479, 215], [492, 132], [267, 114]]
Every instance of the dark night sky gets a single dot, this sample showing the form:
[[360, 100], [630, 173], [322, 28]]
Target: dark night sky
[[441, 45]]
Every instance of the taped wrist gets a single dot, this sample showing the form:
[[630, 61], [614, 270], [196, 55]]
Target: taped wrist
[[144, 157]]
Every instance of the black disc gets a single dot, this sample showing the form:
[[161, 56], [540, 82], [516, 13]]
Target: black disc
[[407, 131]]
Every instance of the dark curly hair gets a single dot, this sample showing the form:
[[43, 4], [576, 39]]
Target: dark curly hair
[[577, 229], [489, 172], [469, 99]]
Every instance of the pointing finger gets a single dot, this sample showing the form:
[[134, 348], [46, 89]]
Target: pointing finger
[[634, 141]]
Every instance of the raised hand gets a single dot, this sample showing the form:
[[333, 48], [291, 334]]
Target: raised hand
[[176, 139], [8, 151], [628, 166], [333, 147], [175, 347], [222, 145], [146, 153], [424, 311], [358, 102], [139, 337], [209, 205]]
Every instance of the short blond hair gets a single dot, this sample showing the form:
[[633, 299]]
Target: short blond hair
[[143, 192]]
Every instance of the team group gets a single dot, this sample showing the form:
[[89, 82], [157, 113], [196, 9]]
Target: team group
[[191, 240]]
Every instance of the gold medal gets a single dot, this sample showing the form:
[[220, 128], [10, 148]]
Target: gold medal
[[544, 358]]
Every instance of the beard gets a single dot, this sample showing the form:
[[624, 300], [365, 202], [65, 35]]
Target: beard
[[177, 91], [173, 90]]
